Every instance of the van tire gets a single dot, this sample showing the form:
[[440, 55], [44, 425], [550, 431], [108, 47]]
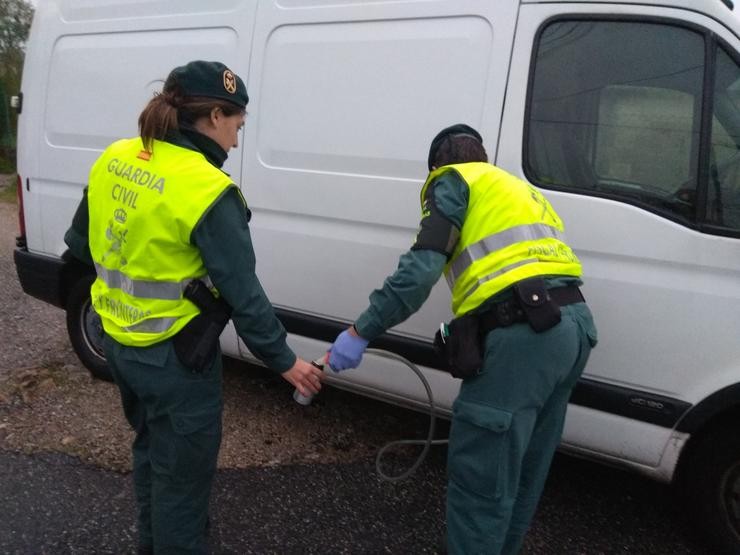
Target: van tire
[[85, 329], [712, 486]]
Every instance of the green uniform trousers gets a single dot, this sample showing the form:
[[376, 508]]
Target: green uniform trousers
[[506, 424], [176, 415]]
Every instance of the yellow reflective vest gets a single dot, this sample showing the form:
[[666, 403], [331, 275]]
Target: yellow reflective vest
[[510, 233], [143, 208]]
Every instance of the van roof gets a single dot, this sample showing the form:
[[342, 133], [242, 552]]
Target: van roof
[[697, 5]]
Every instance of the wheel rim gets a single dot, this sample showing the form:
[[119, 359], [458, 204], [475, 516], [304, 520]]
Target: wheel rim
[[731, 496], [92, 330]]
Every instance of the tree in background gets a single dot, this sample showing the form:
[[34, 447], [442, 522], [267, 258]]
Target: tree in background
[[15, 22]]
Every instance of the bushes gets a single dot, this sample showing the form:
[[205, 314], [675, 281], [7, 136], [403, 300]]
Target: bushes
[[7, 161]]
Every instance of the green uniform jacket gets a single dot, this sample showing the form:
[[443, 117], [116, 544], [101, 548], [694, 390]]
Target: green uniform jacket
[[225, 244]]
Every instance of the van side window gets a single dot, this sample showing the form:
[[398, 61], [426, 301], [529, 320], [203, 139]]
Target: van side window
[[615, 112], [723, 205]]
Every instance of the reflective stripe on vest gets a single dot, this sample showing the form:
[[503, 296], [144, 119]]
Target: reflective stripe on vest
[[145, 289], [152, 325], [498, 241], [510, 232], [493, 275]]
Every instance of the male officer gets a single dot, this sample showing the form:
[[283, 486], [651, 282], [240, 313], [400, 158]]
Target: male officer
[[515, 296], [160, 218]]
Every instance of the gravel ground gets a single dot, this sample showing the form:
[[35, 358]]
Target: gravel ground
[[49, 402]]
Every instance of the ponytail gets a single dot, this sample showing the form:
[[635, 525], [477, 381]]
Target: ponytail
[[158, 118]]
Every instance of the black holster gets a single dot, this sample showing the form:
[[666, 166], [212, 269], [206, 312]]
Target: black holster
[[196, 344], [460, 346]]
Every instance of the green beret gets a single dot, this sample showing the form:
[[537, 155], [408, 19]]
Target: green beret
[[209, 79]]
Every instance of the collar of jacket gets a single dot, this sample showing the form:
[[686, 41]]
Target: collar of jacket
[[189, 138]]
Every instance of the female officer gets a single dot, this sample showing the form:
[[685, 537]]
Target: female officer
[[158, 214], [525, 334]]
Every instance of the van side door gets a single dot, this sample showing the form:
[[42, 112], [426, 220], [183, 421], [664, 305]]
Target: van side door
[[346, 99]]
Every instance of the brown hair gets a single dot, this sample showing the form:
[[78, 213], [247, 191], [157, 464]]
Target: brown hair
[[459, 149], [170, 109]]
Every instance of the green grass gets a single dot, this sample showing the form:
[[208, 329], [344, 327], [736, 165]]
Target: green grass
[[7, 188]]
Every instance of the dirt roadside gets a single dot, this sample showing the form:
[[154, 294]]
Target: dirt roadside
[[49, 402]]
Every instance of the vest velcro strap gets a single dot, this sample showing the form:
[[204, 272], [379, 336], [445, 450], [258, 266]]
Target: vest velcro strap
[[144, 289], [498, 241]]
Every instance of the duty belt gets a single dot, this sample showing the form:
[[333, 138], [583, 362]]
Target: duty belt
[[508, 312]]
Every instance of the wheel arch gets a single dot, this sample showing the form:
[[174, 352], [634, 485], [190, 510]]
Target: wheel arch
[[720, 409], [720, 403]]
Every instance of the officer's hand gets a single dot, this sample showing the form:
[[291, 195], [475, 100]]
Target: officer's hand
[[346, 352], [305, 377]]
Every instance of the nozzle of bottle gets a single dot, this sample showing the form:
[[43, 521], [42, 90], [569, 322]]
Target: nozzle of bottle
[[305, 400]]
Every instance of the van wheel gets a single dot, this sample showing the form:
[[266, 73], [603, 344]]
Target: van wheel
[[86, 330], [712, 483]]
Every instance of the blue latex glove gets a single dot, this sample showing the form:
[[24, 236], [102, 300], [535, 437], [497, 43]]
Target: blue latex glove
[[346, 352]]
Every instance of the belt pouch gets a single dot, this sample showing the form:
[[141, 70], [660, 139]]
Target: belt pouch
[[542, 311], [461, 350], [195, 345]]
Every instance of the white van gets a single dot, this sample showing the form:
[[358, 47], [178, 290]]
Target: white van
[[626, 113]]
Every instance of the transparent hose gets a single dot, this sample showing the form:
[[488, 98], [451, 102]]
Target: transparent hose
[[427, 443]]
